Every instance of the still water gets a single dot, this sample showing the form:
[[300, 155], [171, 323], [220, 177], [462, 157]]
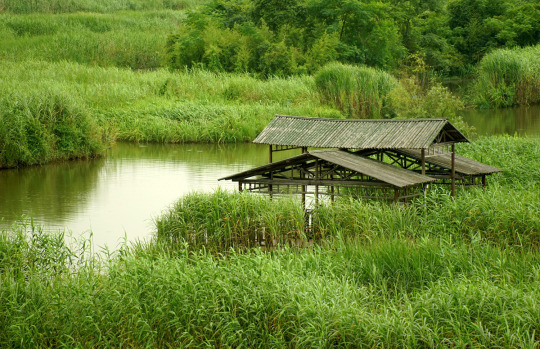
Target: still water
[[118, 196], [523, 121]]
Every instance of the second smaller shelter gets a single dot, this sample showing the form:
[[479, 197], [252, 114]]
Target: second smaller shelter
[[333, 173]]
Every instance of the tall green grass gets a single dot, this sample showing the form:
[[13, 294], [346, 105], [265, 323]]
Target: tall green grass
[[457, 272], [386, 293], [156, 106], [509, 77], [38, 128], [127, 39], [503, 214], [100, 6], [220, 221], [358, 91]]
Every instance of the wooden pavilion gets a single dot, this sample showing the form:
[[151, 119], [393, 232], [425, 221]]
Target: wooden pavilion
[[378, 159]]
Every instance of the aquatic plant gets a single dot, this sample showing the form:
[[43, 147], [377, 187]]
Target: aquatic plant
[[384, 292]]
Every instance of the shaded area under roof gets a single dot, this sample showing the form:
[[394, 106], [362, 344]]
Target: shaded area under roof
[[358, 134], [386, 173], [463, 165]]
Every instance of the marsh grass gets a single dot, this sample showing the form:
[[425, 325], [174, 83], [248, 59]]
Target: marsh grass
[[127, 39], [463, 273], [382, 293], [509, 77], [223, 220], [358, 91], [38, 128], [100, 6], [150, 106], [503, 214]]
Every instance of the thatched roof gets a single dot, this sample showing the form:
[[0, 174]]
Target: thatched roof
[[358, 134]]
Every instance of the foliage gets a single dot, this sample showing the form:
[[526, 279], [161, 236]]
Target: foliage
[[450, 35], [509, 77], [410, 100], [151, 106], [222, 220], [269, 38], [359, 92]]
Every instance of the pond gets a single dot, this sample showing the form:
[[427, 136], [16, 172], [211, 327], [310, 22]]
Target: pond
[[523, 121], [117, 197]]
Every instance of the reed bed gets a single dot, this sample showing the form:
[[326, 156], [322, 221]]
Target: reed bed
[[503, 214], [223, 220], [129, 39], [385, 293], [358, 91], [150, 106], [38, 128], [463, 272], [509, 77], [100, 6]]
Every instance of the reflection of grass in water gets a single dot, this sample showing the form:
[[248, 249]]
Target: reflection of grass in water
[[195, 153], [520, 120], [36, 190]]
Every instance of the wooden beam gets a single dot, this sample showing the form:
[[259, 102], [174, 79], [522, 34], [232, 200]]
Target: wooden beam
[[324, 182]]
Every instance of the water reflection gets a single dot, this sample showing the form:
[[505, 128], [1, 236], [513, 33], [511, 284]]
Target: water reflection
[[56, 190], [524, 121], [117, 197]]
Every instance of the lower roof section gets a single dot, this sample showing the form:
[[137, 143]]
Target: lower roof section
[[385, 173], [462, 164]]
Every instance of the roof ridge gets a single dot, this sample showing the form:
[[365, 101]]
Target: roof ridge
[[357, 120]]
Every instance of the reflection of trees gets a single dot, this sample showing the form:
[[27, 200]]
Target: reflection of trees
[[521, 120], [54, 191]]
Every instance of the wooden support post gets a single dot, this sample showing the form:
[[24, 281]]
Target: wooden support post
[[423, 161], [483, 181], [316, 185], [453, 173], [270, 154], [396, 195], [240, 186], [304, 150], [332, 196]]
